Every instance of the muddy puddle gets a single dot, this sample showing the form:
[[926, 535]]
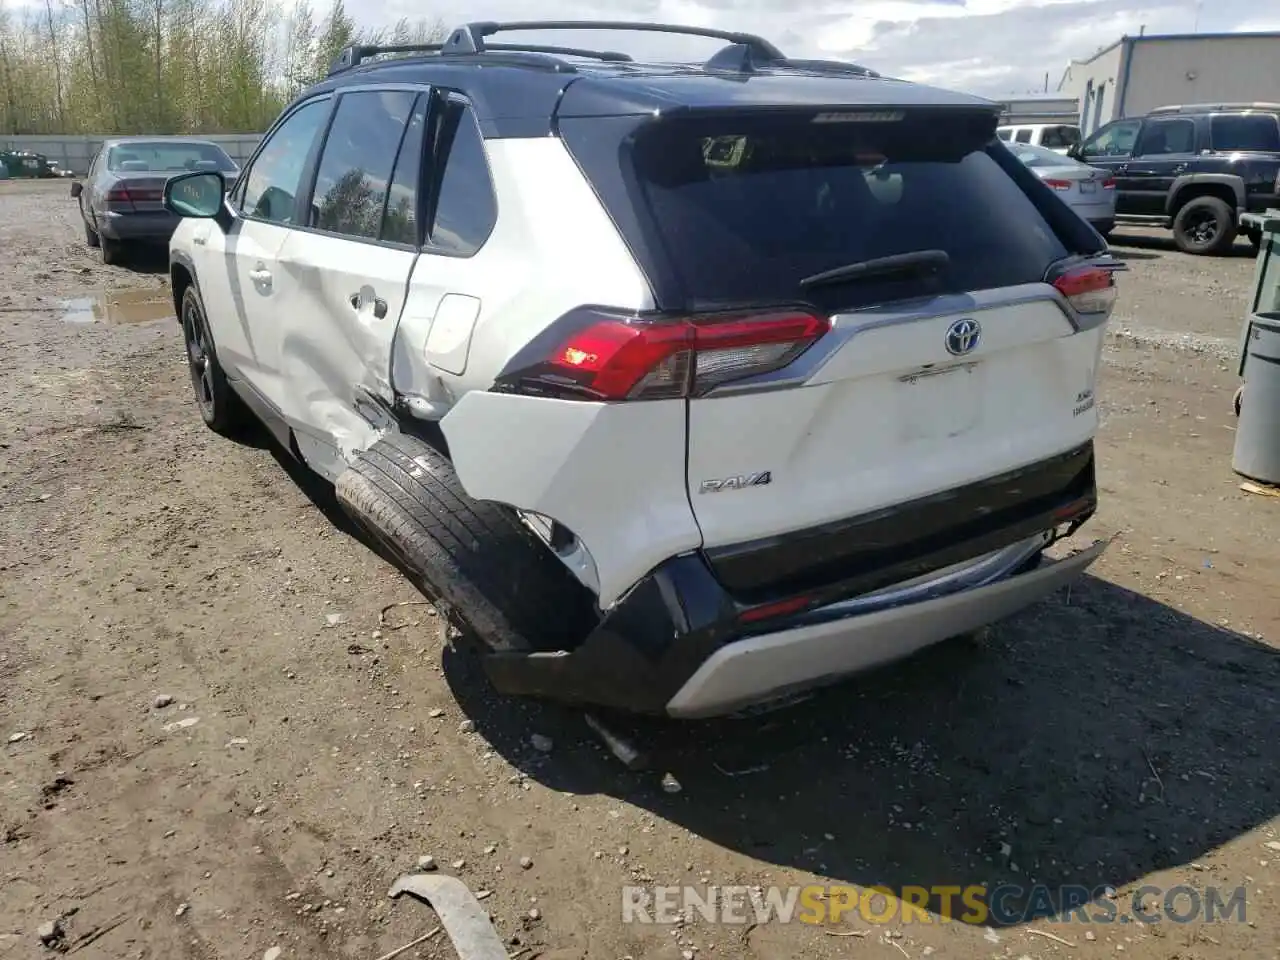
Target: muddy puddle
[[119, 306]]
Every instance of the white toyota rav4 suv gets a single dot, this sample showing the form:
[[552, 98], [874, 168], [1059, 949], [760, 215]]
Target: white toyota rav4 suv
[[681, 387]]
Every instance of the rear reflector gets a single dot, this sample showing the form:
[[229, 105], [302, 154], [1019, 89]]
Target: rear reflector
[[1058, 184], [607, 356], [1088, 289], [779, 608]]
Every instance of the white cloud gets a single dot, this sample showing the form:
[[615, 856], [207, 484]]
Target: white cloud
[[984, 46]]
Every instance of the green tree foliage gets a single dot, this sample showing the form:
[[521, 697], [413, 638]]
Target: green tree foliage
[[169, 66]]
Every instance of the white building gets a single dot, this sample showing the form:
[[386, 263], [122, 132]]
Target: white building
[[1137, 74]]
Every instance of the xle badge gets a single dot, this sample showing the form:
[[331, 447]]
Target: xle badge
[[737, 483]]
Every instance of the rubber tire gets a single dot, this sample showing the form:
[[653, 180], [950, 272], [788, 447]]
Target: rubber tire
[[112, 251], [486, 571], [223, 412], [1225, 237], [90, 237]]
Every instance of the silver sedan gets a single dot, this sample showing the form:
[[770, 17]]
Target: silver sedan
[[1089, 191], [120, 199]]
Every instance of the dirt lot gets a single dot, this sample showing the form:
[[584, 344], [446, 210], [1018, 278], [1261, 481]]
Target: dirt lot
[[1121, 733]]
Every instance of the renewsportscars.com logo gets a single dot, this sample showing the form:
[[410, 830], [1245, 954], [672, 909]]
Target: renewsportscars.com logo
[[977, 904]]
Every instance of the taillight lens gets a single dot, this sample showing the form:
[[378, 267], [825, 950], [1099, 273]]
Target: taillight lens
[[1109, 183], [119, 194], [1088, 289], [1057, 184], [607, 356]]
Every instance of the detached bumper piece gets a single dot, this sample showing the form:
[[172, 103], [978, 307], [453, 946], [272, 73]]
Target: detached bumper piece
[[709, 633]]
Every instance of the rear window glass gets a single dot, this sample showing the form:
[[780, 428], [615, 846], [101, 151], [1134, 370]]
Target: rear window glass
[[1257, 131], [747, 210], [1059, 137], [163, 157]]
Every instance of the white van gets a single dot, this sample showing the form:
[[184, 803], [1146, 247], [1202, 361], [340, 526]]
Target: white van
[[1055, 136]]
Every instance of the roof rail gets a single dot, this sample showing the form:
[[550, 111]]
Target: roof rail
[[356, 54], [470, 37], [1211, 107]]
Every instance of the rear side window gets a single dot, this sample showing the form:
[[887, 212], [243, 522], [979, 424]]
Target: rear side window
[[465, 207], [1023, 135], [747, 210], [1256, 131], [354, 173], [1003, 133], [1167, 136]]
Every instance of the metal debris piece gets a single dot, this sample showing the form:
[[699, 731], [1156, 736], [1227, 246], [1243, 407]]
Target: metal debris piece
[[630, 755], [465, 922]]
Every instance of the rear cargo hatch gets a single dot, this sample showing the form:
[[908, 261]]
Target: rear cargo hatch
[[948, 360]]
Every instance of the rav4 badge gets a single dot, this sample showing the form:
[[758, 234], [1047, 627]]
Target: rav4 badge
[[737, 483]]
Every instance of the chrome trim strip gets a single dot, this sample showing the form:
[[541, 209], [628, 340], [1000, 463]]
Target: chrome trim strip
[[968, 575]]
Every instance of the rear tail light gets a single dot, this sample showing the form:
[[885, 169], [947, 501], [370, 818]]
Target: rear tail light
[[1057, 184], [1109, 183], [119, 194], [599, 355], [1088, 289]]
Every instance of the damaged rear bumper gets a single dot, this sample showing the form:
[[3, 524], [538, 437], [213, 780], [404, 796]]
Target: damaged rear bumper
[[702, 661], [700, 637]]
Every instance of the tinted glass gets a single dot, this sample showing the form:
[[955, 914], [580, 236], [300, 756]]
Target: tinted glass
[[355, 166], [272, 182], [168, 157], [466, 209], [400, 223], [1258, 131], [747, 210], [1115, 140], [1167, 136], [1060, 137], [1003, 134]]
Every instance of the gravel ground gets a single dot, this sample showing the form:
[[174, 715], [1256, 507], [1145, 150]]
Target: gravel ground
[[214, 742]]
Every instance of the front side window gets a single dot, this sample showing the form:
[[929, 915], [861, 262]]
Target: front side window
[[1167, 136], [271, 185], [1113, 140], [355, 171], [466, 209]]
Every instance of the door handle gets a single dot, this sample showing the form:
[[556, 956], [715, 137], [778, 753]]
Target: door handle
[[1178, 168], [379, 305], [1123, 168]]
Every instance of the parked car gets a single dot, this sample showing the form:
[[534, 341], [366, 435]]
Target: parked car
[[1193, 169], [676, 395], [1059, 137], [26, 164], [1089, 191], [121, 199]]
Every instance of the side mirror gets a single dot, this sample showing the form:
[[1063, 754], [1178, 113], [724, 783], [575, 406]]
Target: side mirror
[[1073, 151], [195, 194], [200, 195], [77, 188]]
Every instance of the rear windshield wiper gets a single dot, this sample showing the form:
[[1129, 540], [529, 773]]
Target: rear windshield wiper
[[917, 263]]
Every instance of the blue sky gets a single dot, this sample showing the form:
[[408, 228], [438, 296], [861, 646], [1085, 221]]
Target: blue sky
[[983, 46]]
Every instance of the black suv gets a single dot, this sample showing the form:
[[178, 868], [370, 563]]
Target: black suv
[[1194, 168]]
